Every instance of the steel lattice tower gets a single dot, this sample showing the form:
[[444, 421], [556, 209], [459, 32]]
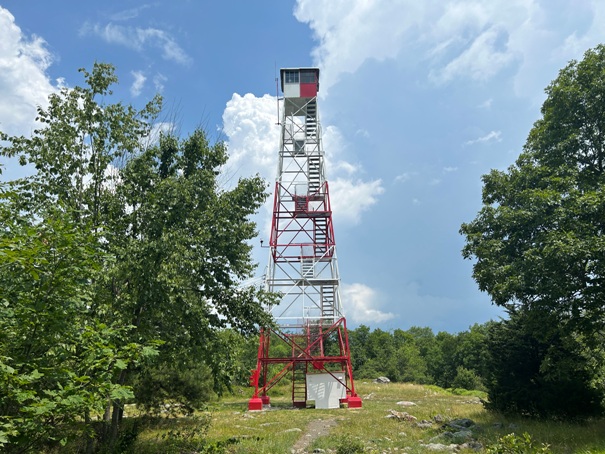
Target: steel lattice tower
[[310, 345]]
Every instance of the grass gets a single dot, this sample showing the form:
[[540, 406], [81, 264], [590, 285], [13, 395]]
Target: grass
[[235, 430]]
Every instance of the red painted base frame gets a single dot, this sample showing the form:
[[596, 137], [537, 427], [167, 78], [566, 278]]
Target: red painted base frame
[[307, 343]]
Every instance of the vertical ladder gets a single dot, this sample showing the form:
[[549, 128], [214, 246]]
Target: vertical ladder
[[327, 301], [299, 382], [314, 175]]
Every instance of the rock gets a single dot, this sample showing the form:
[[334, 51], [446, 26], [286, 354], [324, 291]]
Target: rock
[[369, 396], [424, 424], [382, 380], [294, 429], [474, 445], [401, 415], [439, 419], [440, 447], [458, 424], [319, 450], [462, 436], [406, 403], [442, 437]]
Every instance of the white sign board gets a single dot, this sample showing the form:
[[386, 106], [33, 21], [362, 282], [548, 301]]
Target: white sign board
[[326, 389]]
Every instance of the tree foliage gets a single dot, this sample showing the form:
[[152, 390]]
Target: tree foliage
[[551, 375], [538, 240], [122, 264], [418, 355], [57, 362]]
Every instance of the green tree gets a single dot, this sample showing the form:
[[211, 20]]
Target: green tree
[[544, 374], [57, 363], [444, 362], [358, 339], [174, 243], [538, 240]]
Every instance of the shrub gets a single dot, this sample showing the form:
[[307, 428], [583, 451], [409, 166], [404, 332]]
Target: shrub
[[515, 444], [467, 379]]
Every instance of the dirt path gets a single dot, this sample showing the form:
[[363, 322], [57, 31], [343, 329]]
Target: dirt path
[[315, 429]]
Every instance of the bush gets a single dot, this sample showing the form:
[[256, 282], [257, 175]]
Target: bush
[[174, 388], [349, 445], [467, 379], [515, 444]]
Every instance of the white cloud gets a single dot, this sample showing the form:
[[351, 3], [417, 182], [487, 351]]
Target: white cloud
[[489, 137], [479, 61], [129, 13], [403, 177], [363, 133], [24, 84], [362, 304], [250, 124], [350, 198], [474, 39], [449, 169], [138, 39], [350, 32], [487, 104], [138, 84], [158, 82]]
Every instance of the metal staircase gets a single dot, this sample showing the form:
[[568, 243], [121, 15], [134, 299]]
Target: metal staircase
[[311, 120], [307, 268], [314, 175], [321, 236], [327, 301]]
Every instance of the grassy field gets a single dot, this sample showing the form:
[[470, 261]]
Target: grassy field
[[279, 429]]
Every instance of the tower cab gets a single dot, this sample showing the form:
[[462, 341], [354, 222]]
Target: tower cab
[[299, 82]]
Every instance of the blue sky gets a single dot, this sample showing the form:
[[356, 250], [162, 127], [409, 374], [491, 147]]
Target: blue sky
[[418, 100]]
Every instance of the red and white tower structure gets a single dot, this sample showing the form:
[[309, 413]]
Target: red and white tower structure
[[310, 344]]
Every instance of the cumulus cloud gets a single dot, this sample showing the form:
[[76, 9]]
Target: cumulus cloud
[[24, 84], [362, 304], [138, 39], [350, 198], [250, 124], [479, 61], [474, 39]]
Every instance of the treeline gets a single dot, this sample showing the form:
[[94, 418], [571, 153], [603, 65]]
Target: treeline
[[418, 355]]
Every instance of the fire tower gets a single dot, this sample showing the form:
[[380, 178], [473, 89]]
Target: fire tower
[[310, 343]]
